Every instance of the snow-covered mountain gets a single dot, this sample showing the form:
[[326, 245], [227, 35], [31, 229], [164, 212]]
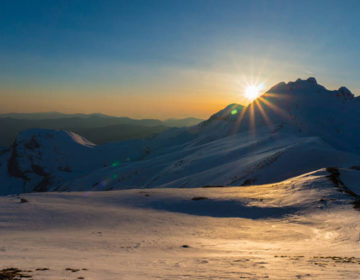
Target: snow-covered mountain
[[98, 128], [294, 128]]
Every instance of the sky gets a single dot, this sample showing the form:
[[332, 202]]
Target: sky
[[171, 58]]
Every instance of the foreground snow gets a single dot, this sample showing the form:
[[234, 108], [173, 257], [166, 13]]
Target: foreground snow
[[305, 227]]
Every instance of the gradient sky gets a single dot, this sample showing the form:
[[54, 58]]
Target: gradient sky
[[168, 58]]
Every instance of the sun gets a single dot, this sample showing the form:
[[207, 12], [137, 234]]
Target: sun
[[253, 91]]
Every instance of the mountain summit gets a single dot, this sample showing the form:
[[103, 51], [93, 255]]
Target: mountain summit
[[295, 127], [304, 108], [308, 85]]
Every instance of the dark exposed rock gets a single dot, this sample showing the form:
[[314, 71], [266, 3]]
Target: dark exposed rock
[[13, 273], [335, 178], [13, 165], [312, 80], [23, 200], [345, 92], [32, 144], [199, 198], [38, 170], [45, 182], [72, 269], [248, 182]]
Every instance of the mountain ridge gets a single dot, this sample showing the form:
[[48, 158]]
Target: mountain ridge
[[98, 128], [294, 128]]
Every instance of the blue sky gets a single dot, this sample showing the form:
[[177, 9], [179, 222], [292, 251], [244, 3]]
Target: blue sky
[[168, 58]]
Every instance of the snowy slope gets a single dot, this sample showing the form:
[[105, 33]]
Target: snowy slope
[[292, 129], [40, 159], [301, 228], [308, 108], [234, 160]]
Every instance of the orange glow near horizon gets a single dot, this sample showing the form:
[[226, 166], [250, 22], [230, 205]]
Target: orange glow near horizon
[[200, 95], [132, 105]]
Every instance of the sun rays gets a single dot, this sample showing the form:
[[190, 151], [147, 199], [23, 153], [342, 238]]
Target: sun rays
[[253, 91], [259, 111]]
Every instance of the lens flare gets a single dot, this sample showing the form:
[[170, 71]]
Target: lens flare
[[253, 91]]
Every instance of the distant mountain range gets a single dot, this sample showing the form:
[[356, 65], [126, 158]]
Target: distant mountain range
[[98, 128], [294, 128]]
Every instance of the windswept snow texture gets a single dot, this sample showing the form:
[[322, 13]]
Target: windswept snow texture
[[301, 228], [292, 129]]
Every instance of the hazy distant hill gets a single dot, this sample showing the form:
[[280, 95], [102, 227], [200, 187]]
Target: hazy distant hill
[[113, 133], [294, 128], [45, 115], [182, 122], [98, 128]]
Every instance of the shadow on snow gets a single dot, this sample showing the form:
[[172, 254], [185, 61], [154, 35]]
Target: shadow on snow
[[220, 208]]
